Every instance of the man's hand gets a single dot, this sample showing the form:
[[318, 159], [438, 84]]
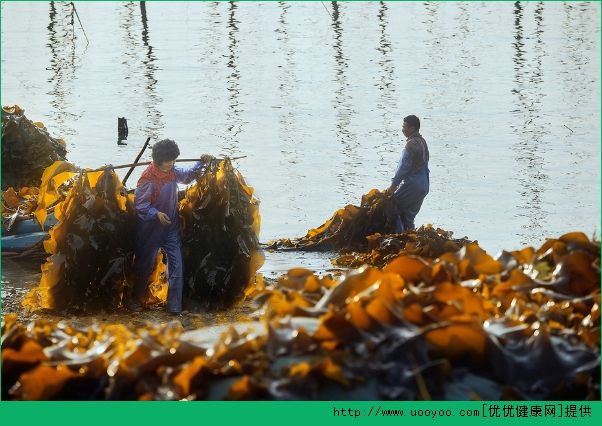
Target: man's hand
[[206, 158], [163, 218]]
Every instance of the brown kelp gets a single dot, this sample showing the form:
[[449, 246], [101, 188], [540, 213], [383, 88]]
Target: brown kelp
[[57, 180], [427, 241], [220, 237], [16, 204], [220, 230], [90, 249], [348, 227], [27, 149], [464, 326]]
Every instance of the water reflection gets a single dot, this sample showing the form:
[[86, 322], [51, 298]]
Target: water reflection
[[529, 127], [234, 123], [212, 46], [450, 41], [435, 58], [342, 103], [153, 115], [384, 80], [577, 49], [466, 63], [64, 62], [140, 67], [289, 131]]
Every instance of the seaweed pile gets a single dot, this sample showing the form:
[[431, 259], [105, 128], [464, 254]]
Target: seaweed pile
[[349, 226], [425, 242], [220, 238], [27, 149], [91, 248], [464, 326]]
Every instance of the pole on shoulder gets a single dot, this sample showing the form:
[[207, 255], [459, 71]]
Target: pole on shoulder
[[146, 163]]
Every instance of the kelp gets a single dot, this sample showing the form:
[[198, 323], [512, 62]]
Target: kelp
[[34, 202], [220, 237], [349, 226], [57, 181], [18, 204], [425, 242], [25, 200], [463, 326], [27, 149], [90, 249], [96, 222]]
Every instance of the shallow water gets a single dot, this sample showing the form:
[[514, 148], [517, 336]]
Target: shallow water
[[313, 94], [18, 276]]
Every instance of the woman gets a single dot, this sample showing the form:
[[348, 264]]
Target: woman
[[156, 200]]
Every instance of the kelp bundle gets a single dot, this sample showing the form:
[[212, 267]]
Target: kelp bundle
[[220, 237], [90, 249], [464, 326], [426, 242], [27, 149], [349, 226]]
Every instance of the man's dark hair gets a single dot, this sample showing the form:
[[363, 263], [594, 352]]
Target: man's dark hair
[[413, 121], [165, 150]]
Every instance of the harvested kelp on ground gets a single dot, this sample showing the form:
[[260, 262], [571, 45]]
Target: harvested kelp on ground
[[220, 237], [27, 149], [90, 249], [427, 241], [349, 226], [465, 326]]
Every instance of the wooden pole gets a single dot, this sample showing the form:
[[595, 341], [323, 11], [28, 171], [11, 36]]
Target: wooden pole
[[146, 163], [136, 161]]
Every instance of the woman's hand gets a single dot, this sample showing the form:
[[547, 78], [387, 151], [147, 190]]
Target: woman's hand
[[206, 158], [163, 218]]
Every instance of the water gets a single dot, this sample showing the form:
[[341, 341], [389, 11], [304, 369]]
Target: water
[[314, 93]]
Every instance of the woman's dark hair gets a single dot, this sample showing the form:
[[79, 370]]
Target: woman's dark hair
[[413, 121], [165, 150]]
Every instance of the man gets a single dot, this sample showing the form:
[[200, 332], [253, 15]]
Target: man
[[410, 184], [157, 217]]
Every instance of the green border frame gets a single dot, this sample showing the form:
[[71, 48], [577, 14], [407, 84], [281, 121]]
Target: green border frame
[[50, 413]]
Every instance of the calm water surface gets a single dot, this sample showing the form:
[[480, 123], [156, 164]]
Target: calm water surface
[[313, 95]]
